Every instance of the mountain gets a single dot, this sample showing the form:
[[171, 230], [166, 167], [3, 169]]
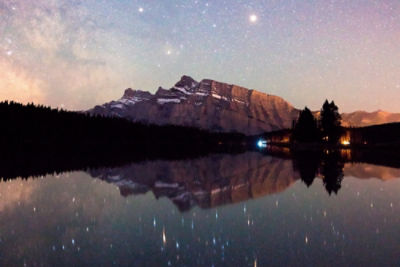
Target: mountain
[[363, 118], [207, 104], [220, 107]]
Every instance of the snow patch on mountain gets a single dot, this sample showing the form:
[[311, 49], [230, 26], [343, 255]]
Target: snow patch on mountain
[[207, 104], [168, 100]]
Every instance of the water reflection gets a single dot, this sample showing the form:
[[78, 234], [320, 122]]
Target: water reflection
[[326, 164], [208, 182], [223, 178], [282, 211]]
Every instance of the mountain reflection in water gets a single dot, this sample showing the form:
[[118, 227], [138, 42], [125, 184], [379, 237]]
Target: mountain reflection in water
[[306, 209], [223, 178]]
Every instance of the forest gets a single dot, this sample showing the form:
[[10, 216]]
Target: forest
[[324, 129], [34, 138], [31, 125]]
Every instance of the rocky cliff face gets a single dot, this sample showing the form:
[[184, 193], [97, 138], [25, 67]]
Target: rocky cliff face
[[217, 106], [207, 104]]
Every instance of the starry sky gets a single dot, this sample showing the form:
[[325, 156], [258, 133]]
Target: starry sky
[[76, 54], [72, 219]]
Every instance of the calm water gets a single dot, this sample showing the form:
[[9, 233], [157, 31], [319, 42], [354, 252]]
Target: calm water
[[222, 210]]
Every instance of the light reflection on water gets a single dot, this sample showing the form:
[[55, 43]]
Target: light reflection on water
[[233, 210]]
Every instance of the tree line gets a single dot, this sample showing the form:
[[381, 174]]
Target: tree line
[[324, 129], [24, 126]]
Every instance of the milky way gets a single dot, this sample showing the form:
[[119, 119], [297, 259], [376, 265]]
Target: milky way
[[75, 54]]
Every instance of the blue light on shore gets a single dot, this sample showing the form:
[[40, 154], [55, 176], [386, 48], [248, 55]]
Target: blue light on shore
[[262, 143]]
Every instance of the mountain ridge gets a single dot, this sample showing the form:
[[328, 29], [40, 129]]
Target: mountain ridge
[[362, 118], [220, 107], [207, 104]]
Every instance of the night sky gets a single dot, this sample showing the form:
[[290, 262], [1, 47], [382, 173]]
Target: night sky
[[75, 54]]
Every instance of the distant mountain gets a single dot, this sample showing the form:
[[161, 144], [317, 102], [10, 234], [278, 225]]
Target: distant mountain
[[207, 104], [363, 118], [218, 106]]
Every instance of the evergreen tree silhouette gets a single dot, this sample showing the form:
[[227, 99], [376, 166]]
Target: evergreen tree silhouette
[[330, 123], [306, 128]]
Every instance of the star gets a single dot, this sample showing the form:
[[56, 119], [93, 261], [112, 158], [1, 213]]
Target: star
[[212, 33], [253, 18]]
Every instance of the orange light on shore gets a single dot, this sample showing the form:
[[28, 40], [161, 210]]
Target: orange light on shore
[[346, 142]]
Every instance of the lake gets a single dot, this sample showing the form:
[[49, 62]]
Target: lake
[[248, 209]]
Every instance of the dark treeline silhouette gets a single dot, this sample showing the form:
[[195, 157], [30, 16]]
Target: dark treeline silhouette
[[330, 123], [384, 135], [326, 129], [25, 125], [316, 131], [306, 128], [35, 140]]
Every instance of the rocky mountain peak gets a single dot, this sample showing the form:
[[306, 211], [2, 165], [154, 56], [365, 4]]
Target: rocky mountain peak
[[131, 93], [208, 104], [218, 106], [186, 82]]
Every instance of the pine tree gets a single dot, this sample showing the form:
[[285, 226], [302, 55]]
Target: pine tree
[[306, 128], [330, 123]]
